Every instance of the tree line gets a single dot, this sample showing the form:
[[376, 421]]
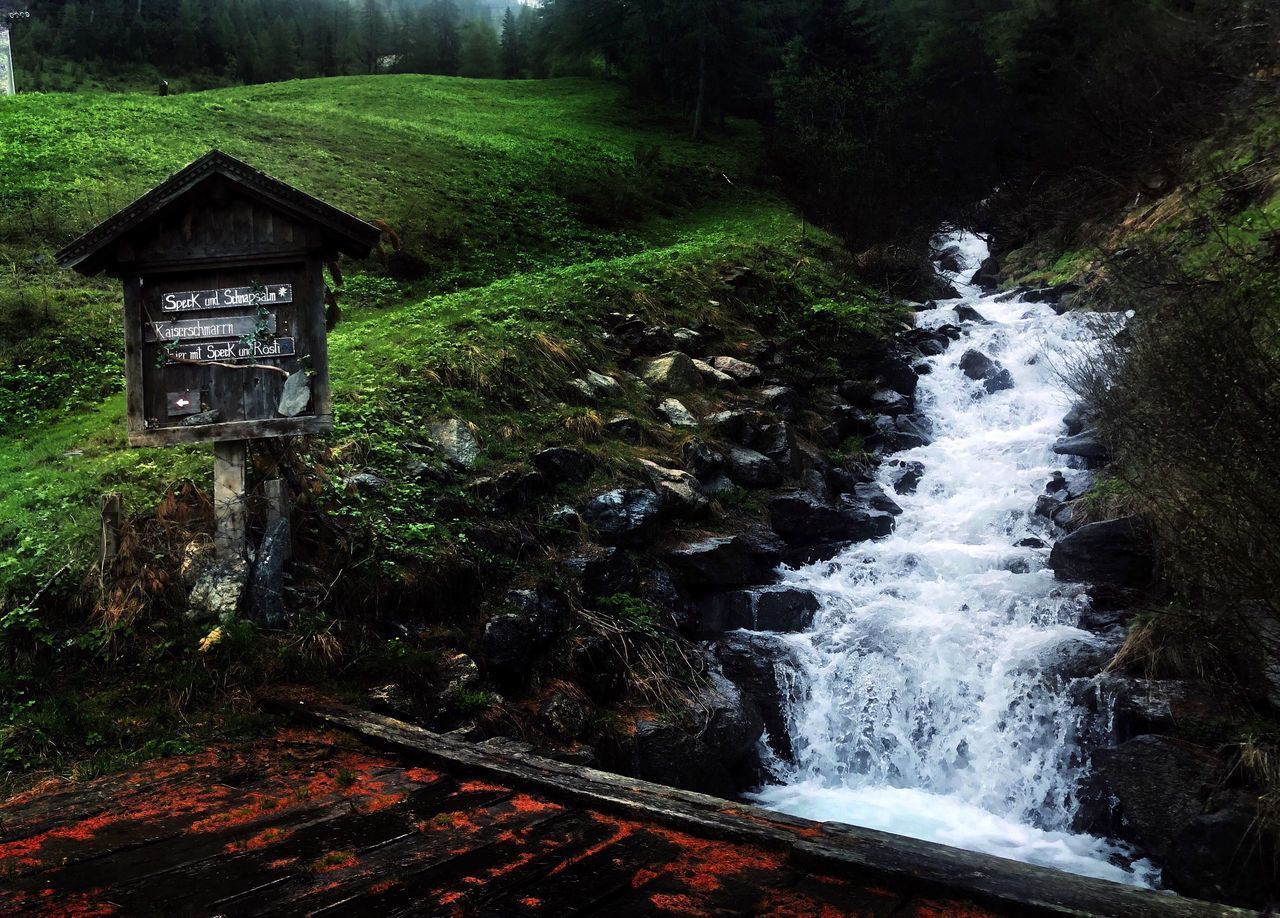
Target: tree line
[[880, 112]]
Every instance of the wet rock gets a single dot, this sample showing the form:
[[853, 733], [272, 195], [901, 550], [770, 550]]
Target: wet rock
[[700, 460], [857, 392], [777, 609], [725, 562], [777, 441], [741, 427], [455, 441], [660, 589], [915, 425], [624, 516], [733, 725], [1050, 295], [1115, 552], [544, 608], [743, 372], [1148, 790], [754, 662], [800, 519], [563, 464], [751, 469], [673, 372], [602, 386], [218, 591], [1057, 483], [905, 476], [988, 274], [425, 473], [507, 649], [1031, 543], [680, 492], [888, 402], [627, 429], [667, 754], [563, 716], [394, 700], [365, 483], [1225, 855], [1087, 445], [1078, 418], [688, 341], [713, 377], [676, 413], [979, 367], [600, 669], [873, 496], [896, 374], [782, 399], [889, 438], [514, 489], [266, 588], [969, 314]]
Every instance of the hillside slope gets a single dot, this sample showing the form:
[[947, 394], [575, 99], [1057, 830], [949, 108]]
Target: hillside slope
[[535, 228]]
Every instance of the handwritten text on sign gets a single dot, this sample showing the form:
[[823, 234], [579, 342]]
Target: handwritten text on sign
[[211, 351], [227, 298], [221, 327]]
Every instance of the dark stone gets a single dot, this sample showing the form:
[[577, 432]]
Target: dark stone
[[873, 496], [514, 489], [950, 332], [1057, 483], [366, 483], [660, 589], [564, 716], [266, 586], [1147, 791], [600, 669], [896, 374], [751, 469], [544, 608], [752, 661], [777, 441], [888, 438], [606, 573], [999, 381], [1047, 505], [1078, 418], [780, 609], [915, 425], [725, 562], [890, 403], [905, 477], [1225, 855], [625, 516], [802, 520], [977, 365], [655, 340], [782, 399], [969, 314], [667, 754], [700, 460], [563, 464], [507, 649], [844, 480], [425, 473], [1087, 445], [1031, 543], [739, 427], [1050, 295], [851, 422], [857, 392], [732, 726], [212, 416], [1116, 552], [988, 274], [626, 429]]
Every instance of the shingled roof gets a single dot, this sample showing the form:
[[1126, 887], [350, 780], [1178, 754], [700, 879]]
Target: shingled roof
[[343, 232]]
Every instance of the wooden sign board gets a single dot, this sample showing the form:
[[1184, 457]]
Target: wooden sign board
[[224, 303]]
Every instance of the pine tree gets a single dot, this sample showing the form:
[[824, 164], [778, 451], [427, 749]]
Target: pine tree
[[481, 54], [513, 63]]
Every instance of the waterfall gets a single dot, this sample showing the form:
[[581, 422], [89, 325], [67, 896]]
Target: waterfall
[[932, 696]]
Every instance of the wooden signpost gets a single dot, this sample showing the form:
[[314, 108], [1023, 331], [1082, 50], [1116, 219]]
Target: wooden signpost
[[224, 314]]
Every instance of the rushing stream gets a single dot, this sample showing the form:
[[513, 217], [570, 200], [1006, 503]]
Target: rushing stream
[[928, 698]]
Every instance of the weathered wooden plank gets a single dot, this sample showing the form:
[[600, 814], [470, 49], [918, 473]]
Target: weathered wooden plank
[[306, 425], [1010, 886], [230, 464]]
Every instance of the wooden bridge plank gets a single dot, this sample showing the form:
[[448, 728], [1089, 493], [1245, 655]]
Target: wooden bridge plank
[[1004, 886]]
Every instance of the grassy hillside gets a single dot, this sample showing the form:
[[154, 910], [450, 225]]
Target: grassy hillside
[[527, 214], [480, 180]]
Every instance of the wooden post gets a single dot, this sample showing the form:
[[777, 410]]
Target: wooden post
[[112, 509], [276, 492], [230, 459]]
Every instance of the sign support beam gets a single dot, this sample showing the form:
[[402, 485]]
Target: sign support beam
[[230, 463]]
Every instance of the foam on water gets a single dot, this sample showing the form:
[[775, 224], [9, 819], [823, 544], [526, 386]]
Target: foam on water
[[928, 698]]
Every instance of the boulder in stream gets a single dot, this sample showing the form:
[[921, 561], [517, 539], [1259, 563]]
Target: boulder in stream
[[1115, 552]]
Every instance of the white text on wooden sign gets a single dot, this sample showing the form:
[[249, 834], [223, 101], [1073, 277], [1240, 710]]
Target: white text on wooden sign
[[211, 351], [220, 327], [227, 298]]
